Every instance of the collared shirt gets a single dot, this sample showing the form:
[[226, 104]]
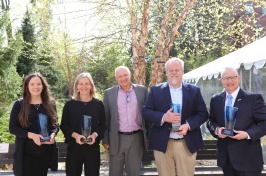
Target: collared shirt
[[176, 96], [234, 95], [128, 113]]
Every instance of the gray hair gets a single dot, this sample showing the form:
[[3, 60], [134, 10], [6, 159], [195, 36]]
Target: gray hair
[[228, 68], [174, 59], [124, 67]]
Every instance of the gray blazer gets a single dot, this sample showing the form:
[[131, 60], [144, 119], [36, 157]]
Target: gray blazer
[[111, 136]]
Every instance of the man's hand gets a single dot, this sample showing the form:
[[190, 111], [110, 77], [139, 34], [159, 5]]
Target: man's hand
[[219, 132], [239, 135], [171, 117], [184, 128]]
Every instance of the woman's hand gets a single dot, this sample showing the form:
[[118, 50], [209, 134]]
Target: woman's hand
[[35, 137], [93, 137], [52, 139], [78, 137]]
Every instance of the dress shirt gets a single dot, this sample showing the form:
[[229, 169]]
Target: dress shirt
[[176, 96], [129, 118], [234, 95]]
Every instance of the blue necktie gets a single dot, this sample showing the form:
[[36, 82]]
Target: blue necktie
[[229, 100], [229, 103]]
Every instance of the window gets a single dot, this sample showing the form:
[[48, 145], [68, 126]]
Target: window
[[249, 9]]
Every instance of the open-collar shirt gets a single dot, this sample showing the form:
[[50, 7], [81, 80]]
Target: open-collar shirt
[[128, 113]]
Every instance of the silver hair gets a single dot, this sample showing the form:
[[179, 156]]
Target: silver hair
[[228, 68], [174, 59], [124, 67]]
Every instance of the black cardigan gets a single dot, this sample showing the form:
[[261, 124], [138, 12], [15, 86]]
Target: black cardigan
[[22, 133]]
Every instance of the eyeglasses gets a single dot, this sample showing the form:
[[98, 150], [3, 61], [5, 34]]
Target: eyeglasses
[[232, 78], [128, 99]]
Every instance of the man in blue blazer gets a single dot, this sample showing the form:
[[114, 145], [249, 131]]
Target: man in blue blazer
[[175, 152], [241, 154]]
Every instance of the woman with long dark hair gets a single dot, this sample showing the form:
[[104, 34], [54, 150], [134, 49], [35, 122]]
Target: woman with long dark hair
[[33, 149]]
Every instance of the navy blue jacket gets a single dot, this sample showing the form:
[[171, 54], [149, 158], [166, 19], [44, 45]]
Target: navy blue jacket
[[194, 112], [245, 155]]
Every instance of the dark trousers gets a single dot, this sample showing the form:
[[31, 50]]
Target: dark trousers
[[33, 166], [77, 155], [229, 170]]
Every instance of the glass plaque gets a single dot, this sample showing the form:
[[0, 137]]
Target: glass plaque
[[86, 127], [43, 127], [176, 109], [230, 119]]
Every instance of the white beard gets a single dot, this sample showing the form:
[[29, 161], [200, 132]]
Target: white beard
[[174, 81]]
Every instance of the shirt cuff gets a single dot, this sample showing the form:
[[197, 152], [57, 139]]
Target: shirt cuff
[[162, 121], [248, 136], [216, 131], [188, 125], [96, 134]]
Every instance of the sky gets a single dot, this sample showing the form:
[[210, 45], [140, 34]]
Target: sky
[[70, 16]]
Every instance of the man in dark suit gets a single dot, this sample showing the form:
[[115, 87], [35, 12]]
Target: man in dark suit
[[241, 154], [125, 137], [175, 152]]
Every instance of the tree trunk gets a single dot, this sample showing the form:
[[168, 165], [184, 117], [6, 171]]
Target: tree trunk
[[162, 52], [157, 67], [139, 48]]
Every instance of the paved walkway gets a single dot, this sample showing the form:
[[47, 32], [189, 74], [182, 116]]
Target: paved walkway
[[200, 171], [147, 171], [103, 172]]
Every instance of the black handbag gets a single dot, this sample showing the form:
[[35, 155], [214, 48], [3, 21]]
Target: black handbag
[[54, 158]]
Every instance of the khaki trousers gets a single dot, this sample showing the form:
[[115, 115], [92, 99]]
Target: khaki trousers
[[176, 161]]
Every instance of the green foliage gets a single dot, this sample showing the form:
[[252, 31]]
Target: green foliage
[[9, 79], [27, 59], [5, 136], [102, 63], [59, 106], [53, 76], [201, 35], [10, 87], [213, 29], [8, 53]]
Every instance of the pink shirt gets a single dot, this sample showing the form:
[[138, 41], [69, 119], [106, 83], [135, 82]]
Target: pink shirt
[[128, 113]]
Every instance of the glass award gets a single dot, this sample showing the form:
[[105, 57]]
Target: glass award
[[86, 127], [230, 119], [43, 127], [176, 109]]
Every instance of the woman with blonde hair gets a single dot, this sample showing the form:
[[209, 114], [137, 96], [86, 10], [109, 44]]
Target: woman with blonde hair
[[81, 151]]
